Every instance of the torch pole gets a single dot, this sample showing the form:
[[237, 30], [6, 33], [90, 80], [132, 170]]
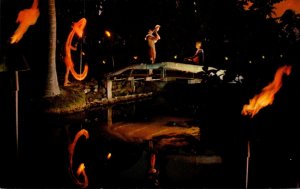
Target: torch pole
[[17, 110], [247, 163]]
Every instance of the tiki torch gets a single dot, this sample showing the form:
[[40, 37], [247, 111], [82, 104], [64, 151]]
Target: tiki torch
[[261, 100], [13, 61]]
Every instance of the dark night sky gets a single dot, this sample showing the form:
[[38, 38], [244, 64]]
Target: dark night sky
[[128, 19], [224, 29]]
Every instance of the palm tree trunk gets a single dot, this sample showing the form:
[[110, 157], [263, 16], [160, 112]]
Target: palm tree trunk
[[52, 87]]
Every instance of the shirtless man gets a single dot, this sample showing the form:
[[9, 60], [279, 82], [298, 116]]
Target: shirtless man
[[152, 37]]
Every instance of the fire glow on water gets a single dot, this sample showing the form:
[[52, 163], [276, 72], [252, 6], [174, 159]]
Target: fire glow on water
[[266, 96], [81, 169]]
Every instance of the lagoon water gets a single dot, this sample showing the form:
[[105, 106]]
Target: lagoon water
[[217, 158]]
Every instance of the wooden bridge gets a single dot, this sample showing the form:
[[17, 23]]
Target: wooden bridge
[[164, 71]]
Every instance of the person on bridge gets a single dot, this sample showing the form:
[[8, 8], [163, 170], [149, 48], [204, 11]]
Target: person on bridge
[[198, 57], [152, 37]]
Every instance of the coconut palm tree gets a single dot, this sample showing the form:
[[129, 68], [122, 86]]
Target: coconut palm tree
[[52, 87]]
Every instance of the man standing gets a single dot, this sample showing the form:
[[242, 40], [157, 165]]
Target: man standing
[[152, 37]]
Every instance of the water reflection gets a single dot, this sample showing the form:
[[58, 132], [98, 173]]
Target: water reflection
[[81, 169], [194, 142], [134, 148]]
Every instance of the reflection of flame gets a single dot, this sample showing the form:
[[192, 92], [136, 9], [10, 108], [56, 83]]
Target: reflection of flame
[[81, 171], [266, 97], [108, 156], [26, 18], [152, 163], [81, 168]]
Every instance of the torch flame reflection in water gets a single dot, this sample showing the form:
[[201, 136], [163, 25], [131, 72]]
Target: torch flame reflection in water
[[81, 168], [263, 99]]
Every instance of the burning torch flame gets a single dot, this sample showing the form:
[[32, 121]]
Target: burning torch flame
[[79, 26], [78, 29], [81, 168], [26, 18], [266, 97]]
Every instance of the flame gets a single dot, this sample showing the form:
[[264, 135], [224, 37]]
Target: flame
[[108, 156], [282, 6], [247, 5], [107, 33], [266, 97], [26, 18], [81, 168], [79, 26], [78, 29]]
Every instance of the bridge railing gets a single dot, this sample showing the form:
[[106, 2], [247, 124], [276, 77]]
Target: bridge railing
[[140, 72], [162, 66]]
